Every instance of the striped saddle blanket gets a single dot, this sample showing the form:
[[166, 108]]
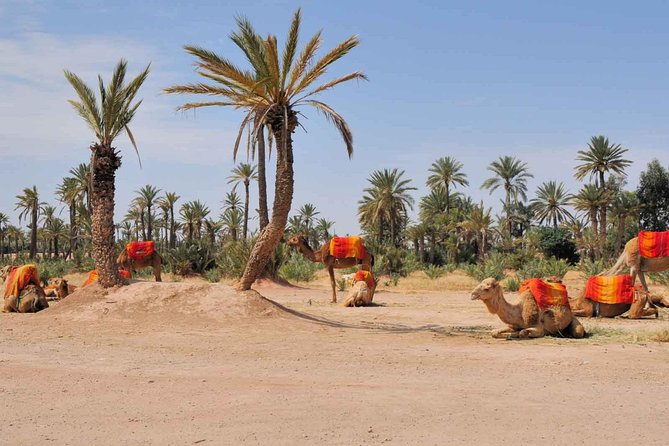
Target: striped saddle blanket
[[547, 294], [654, 244], [347, 247], [19, 277], [140, 250], [610, 289]]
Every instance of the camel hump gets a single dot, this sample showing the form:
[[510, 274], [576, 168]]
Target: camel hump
[[140, 250], [347, 247], [610, 289], [653, 244], [546, 294]]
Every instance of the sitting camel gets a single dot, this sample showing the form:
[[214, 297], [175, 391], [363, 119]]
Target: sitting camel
[[362, 291], [611, 296], [638, 264], [526, 319], [23, 291], [58, 288], [140, 255], [324, 256]]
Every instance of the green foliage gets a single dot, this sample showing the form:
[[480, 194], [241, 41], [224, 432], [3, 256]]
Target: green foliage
[[190, 257], [556, 242], [393, 280], [341, 284], [492, 266], [232, 260], [213, 275], [543, 268], [591, 267], [435, 272], [661, 278], [512, 283], [391, 261], [297, 268], [411, 263], [653, 193]]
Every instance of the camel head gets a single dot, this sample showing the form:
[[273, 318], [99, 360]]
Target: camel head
[[297, 240], [487, 289], [60, 285]]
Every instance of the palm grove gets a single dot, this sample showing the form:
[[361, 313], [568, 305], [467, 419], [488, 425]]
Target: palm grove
[[589, 224]]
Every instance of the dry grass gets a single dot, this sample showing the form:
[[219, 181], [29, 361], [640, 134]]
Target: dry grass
[[660, 336]]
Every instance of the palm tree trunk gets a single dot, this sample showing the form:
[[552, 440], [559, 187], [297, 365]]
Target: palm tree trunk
[[246, 207], [141, 219], [262, 180], [269, 238], [149, 224], [33, 232], [602, 216], [173, 230], [104, 163], [73, 226], [55, 246]]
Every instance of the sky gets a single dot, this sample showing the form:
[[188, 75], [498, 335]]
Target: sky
[[474, 80]]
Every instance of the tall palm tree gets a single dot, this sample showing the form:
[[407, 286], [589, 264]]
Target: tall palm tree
[[323, 228], [272, 93], [107, 118], [244, 173], [479, 224], [15, 233], [446, 171], [4, 221], [232, 220], [512, 175], [30, 205], [148, 195], [56, 230], [307, 214], [48, 215], [588, 200], [212, 227], [168, 201], [82, 180], [600, 158], [69, 194], [386, 202], [624, 207], [550, 203]]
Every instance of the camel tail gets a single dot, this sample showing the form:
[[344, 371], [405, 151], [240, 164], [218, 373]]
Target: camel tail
[[618, 268]]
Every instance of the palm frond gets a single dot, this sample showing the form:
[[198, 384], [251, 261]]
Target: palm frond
[[274, 74], [334, 82], [303, 61], [87, 108], [291, 46], [134, 144], [338, 121], [252, 45]]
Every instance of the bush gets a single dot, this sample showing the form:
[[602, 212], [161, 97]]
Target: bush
[[232, 260], [434, 271], [512, 283], [591, 267], [190, 257], [213, 275], [297, 268], [492, 266], [555, 242], [543, 268]]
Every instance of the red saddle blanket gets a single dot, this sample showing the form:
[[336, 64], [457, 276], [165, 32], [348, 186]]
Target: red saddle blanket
[[139, 250], [610, 289], [93, 276], [547, 294], [654, 244], [347, 247], [365, 276], [19, 277]]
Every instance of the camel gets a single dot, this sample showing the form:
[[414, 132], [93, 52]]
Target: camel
[[126, 262], [30, 298], [637, 264], [525, 319], [362, 291], [582, 306], [323, 256], [58, 288]]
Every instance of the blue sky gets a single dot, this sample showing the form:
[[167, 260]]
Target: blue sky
[[468, 79]]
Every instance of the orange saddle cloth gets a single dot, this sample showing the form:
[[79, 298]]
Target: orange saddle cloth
[[654, 244], [139, 250], [93, 276], [19, 278], [547, 294], [347, 247], [610, 289], [365, 276]]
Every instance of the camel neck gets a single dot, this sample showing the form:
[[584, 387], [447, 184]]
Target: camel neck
[[508, 313]]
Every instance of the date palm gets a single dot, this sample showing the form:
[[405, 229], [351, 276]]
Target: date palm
[[148, 195], [68, 192], [550, 203], [168, 201], [323, 228], [600, 158], [386, 201], [4, 221], [15, 233], [232, 221], [511, 174], [107, 118], [624, 207], [30, 206], [244, 173], [478, 224], [82, 182], [589, 199], [271, 93], [446, 171], [307, 214]]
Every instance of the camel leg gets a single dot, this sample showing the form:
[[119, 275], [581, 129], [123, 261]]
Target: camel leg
[[662, 301], [503, 333], [576, 329], [533, 332], [637, 309], [156, 271], [642, 278], [332, 282]]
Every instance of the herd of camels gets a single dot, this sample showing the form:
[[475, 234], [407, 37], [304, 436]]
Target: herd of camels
[[525, 319]]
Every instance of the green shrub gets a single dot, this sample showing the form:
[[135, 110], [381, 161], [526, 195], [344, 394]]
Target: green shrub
[[591, 267], [434, 271], [232, 260], [297, 268], [511, 283], [555, 242], [190, 257], [492, 266], [393, 280], [213, 275], [543, 268]]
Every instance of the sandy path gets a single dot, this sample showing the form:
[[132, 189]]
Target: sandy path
[[155, 364]]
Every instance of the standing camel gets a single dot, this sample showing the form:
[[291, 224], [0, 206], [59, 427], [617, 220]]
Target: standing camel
[[331, 262], [637, 264]]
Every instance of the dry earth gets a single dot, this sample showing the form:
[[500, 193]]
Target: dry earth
[[196, 363]]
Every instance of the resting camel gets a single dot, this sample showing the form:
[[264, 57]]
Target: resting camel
[[30, 298], [362, 291], [323, 256], [58, 288], [525, 319], [582, 306], [637, 264], [126, 262]]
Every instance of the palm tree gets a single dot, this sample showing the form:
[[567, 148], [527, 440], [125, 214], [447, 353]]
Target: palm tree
[[601, 157], [479, 225], [550, 203], [30, 206], [512, 175], [232, 220], [272, 93], [48, 216], [82, 180], [4, 221], [212, 227], [148, 195], [56, 230], [107, 119], [446, 171], [244, 173], [168, 202], [15, 233], [323, 228], [625, 206], [68, 193], [588, 200], [386, 201], [307, 214]]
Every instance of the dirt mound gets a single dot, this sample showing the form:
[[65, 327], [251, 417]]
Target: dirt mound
[[160, 298]]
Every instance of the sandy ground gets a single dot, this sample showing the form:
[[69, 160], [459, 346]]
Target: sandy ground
[[196, 363]]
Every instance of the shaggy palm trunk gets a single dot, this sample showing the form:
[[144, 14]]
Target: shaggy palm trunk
[[141, 219], [2, 245], [269, 238], [104, 163], [149, 224], [33, 233], [262, 181], [73, 226], [173, 230], [602, 217], [55, 247], [246, 207]]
